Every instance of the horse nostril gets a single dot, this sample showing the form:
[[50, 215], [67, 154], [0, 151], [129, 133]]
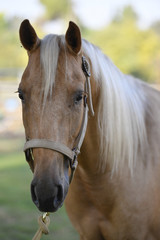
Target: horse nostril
[[34, 195], [58, 199], [60, 193]]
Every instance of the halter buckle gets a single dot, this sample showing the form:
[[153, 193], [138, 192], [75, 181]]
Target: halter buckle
[[73, 164]]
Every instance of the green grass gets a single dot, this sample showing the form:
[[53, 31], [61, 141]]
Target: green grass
[[18, 215]]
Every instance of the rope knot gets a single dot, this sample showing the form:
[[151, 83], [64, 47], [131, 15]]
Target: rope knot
[[43, 227], [43, 224]]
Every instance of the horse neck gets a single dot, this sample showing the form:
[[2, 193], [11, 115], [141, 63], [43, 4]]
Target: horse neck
[[99, 154]]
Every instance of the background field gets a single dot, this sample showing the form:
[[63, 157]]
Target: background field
[[18, 215]]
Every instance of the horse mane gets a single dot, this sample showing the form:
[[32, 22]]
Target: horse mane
[[49, 53], [121, 115]]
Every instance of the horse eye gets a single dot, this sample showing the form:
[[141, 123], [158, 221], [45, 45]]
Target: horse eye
[[20, 95], [78, 98]]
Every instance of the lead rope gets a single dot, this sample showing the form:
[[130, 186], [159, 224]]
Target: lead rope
[[43, 222]]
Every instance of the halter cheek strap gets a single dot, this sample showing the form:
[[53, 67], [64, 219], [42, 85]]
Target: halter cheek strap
[[59, 147]]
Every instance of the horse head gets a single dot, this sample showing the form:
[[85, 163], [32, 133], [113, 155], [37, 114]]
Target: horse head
[[53, 95]]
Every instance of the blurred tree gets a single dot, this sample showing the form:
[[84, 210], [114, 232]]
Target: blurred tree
[[129, 14], [134, 51], [156, 27], [3, 23], [11, 55], [57, 8]]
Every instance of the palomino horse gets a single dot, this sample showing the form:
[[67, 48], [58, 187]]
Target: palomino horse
[[115, 192]]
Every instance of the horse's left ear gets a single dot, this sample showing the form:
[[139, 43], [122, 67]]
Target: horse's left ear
[[73, 37], [28, 36]]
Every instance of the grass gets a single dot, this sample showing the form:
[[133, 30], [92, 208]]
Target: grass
[[18, 215]]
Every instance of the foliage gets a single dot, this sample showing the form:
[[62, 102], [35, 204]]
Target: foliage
[[156, 27], [13, 57], [57, 8], [134, 51]]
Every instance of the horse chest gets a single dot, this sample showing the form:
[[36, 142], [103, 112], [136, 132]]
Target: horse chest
[[99, 211]]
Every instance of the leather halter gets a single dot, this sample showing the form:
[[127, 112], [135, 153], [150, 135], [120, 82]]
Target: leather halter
[[59, 147]]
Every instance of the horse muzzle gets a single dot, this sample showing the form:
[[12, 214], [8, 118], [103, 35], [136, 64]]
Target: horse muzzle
[[48, 197]]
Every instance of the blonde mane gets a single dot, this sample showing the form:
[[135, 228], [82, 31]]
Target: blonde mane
[[121, 116], [49, 53]]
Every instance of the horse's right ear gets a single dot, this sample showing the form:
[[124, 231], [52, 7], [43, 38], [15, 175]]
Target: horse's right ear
[[28, 36]]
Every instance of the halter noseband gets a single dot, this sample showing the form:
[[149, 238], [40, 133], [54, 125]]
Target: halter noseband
[[59, 147]]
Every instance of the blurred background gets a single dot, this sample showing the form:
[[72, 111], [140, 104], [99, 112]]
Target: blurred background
[[128, 31]]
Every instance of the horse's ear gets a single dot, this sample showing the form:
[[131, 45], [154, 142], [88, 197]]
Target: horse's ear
[[28, 36], [73, 37]]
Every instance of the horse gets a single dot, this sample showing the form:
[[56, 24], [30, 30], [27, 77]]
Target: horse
[[71, 91]]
